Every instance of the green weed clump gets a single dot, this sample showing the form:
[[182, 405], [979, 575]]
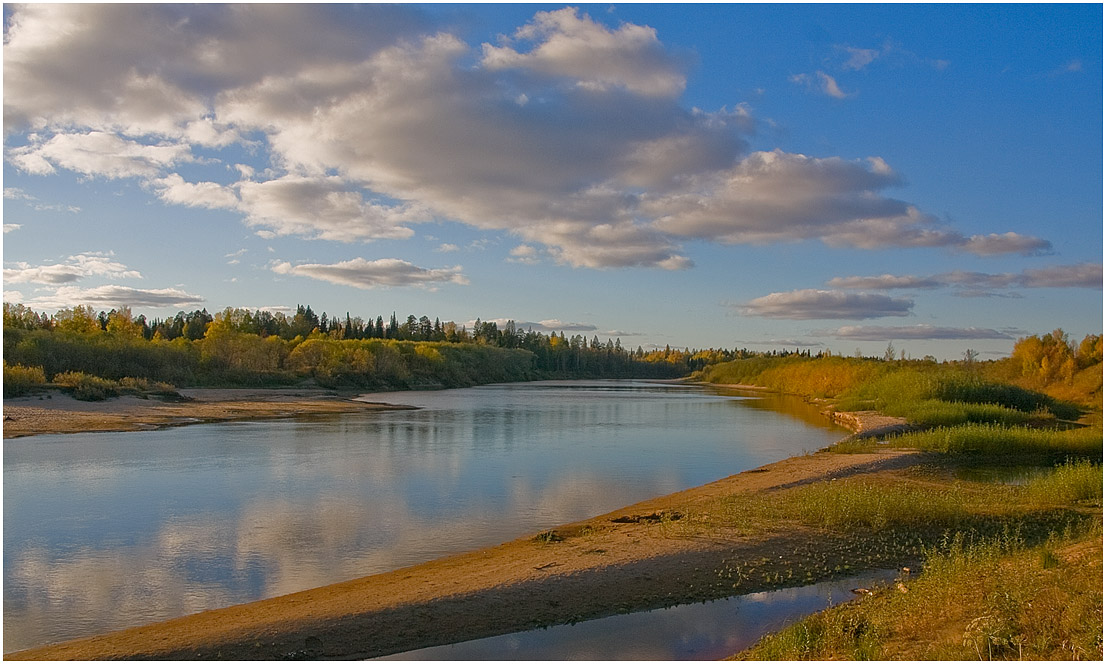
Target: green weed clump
[[997, 439], [20, 380], [846, 504], [1073, 482]]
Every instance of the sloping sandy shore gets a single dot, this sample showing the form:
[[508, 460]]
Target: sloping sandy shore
[[659, 552], [60, 413]]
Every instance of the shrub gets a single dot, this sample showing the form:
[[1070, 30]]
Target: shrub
[[20, 380], [85, 386]]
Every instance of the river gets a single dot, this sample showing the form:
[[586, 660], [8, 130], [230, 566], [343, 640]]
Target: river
[[108, 530]]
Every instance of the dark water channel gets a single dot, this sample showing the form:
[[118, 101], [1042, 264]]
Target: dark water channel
[[709, 631], [109, 530]]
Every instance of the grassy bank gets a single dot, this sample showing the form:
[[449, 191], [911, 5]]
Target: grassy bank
[[1010, 567], [997, 598]]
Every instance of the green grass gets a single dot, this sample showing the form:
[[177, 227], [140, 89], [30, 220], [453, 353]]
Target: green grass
[[1074, 482], [1000, 440], [985, 599]]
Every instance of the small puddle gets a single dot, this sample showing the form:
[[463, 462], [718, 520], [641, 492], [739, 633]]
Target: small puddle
[[713, 630]]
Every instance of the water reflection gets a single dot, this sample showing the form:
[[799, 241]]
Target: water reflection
[[708, 631], [103, 531]]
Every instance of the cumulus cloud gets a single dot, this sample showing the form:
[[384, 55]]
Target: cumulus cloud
[[113, 296], [812, 304], [324, 208], [779, 197], [175, 190], [97, 153], [8, 228], [75, 268], [523, 253], [380, 273], [590, 55], [912, 333], [567, 134]]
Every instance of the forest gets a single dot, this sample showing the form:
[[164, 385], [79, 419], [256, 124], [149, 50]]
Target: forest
[[93, 352]]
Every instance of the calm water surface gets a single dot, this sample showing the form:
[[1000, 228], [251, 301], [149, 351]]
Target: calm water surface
[[707, 631], [104, 531]]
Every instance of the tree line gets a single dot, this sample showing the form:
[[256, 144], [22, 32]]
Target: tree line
[[243, 347]]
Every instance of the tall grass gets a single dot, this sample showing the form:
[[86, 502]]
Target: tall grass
[[846, 504], [924, 393], [1077, 481], [982, 599], [997, 439]]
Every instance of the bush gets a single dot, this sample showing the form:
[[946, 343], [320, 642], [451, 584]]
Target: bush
[[85, 386], [20, 380]]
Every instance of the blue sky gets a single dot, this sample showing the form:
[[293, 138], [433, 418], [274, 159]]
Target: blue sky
[[761, 176]]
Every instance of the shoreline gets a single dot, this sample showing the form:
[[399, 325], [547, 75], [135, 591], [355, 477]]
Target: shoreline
[[658, 552], [59, 413]]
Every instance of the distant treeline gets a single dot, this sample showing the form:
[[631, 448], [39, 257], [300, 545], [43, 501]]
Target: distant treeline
[[240, 347]]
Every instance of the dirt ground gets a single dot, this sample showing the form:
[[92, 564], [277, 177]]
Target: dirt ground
[[659, 552]]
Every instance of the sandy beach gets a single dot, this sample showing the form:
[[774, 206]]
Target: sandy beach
[[659, 552], [57, 412]]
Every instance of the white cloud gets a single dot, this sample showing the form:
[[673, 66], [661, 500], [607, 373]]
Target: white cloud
[[324, 208], [75, 268], [446, 248], [820, 81], [113, 296], [383, 272], [97, 154], [8, 228], [912, 333], [822, 304], [576, 48], [174, 190], [1006, 243], [524, 253]]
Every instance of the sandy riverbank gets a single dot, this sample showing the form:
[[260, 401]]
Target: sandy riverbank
[[60, 413], [658, 552]]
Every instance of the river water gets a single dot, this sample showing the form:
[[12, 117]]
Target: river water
[[108, 530]]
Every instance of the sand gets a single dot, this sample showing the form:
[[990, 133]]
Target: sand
[[659, 552]]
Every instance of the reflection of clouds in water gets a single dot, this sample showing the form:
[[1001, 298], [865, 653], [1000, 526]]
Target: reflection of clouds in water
[[98, 591], [284, 546]]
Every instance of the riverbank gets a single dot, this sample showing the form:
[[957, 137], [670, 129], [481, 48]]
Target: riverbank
[[57, 412]]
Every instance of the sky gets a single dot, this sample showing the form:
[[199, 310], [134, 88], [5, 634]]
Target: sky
[[809, 177]]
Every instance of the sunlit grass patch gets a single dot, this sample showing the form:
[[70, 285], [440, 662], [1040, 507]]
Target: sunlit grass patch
[[1073, 482], [992, 439], [983, 599]]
